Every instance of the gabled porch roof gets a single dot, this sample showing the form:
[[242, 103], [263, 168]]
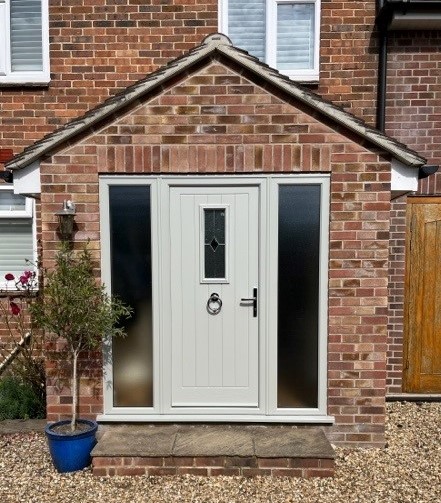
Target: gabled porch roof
[[215, 44]]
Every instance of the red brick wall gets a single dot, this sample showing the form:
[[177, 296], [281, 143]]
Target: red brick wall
[[413, 113], [219, 121], [348, 56], [396, 295], [413, 116], [98, 47]]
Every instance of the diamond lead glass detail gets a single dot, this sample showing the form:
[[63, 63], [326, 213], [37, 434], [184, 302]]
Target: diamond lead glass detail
[[214, 243]]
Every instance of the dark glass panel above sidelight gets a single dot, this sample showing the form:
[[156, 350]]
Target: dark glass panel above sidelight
[[131, 268], [298, 296], [214, 243]]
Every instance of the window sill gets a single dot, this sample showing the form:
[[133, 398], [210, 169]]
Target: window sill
[[15, 293], [302, 78], [25, 80]]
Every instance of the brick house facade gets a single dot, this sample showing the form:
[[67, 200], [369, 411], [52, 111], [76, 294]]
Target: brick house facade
[[100, 48]]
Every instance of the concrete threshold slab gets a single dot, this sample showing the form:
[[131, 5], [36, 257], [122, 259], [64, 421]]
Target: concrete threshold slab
[[213, 440]]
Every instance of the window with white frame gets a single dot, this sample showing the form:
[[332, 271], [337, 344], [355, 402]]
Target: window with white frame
[[24, 42], [285, 34], [17, 243]]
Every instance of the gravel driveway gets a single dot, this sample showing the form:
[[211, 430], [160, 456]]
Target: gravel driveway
[[408, 470]]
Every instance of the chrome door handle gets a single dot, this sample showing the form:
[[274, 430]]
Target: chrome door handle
[[254, 301]]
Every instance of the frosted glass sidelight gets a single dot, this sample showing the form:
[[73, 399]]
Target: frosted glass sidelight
[[26, 35], [131, 268], [298, 296]]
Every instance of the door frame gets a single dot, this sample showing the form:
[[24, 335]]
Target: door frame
[[256, 199], [161, 283]]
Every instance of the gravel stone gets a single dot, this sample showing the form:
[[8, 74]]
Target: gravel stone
[[407, 470]]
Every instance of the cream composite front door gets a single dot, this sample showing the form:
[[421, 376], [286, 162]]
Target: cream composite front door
[[214, 272], [190, 254]]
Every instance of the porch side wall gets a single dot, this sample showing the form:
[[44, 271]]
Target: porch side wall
[[218, 121]]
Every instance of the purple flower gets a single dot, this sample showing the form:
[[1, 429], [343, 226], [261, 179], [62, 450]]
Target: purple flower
[[26, 277], [15, 308], [9, 277]]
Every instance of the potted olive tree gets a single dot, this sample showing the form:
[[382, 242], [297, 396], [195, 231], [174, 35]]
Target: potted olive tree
[[76, 310]]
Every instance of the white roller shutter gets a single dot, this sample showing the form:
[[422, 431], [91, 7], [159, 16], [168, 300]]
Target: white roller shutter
[[16, 245], [295, 36], [3, 22], [246, 25], [26, 35]]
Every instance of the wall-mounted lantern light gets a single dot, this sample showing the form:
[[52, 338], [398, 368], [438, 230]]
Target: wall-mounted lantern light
[[66, 220]]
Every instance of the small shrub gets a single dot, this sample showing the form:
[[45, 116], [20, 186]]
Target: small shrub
[[18, 400], [21, 350], [76, 308]]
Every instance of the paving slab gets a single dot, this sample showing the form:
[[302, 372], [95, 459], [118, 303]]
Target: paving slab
[[214, 440], [292, 443], [136, 441]]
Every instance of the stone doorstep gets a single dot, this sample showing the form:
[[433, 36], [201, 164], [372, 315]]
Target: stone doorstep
[[213, 450]]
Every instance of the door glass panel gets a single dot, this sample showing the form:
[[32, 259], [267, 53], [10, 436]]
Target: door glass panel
[[298, 295], [214, 243], [131, 268]]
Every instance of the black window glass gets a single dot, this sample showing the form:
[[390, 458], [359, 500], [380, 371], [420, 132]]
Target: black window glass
[[214, 243], [298, 295]]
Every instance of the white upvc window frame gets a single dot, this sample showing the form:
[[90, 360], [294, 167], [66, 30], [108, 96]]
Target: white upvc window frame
[[302, 75], [26, 214], [7, 76], [271, 37]]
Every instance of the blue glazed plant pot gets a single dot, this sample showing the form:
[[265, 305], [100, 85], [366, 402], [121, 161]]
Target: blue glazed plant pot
[[71, 452]]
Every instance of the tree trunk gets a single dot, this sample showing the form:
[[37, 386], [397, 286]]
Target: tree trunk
[[74, 391]]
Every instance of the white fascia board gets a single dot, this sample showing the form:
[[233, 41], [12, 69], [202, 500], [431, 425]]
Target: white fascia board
[[415, 21], [27, 180], [404, 178]]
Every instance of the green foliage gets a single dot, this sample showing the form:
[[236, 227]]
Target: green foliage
[[74, 306], [18, 400], [21, 351]]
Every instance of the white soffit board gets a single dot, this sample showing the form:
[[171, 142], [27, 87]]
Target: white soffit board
[[27, 180], [404, 179]]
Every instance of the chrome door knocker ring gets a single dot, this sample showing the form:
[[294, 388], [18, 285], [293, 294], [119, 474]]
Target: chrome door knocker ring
[[214, 304]]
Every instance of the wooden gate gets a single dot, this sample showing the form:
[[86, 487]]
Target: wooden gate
[[422, 313]]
